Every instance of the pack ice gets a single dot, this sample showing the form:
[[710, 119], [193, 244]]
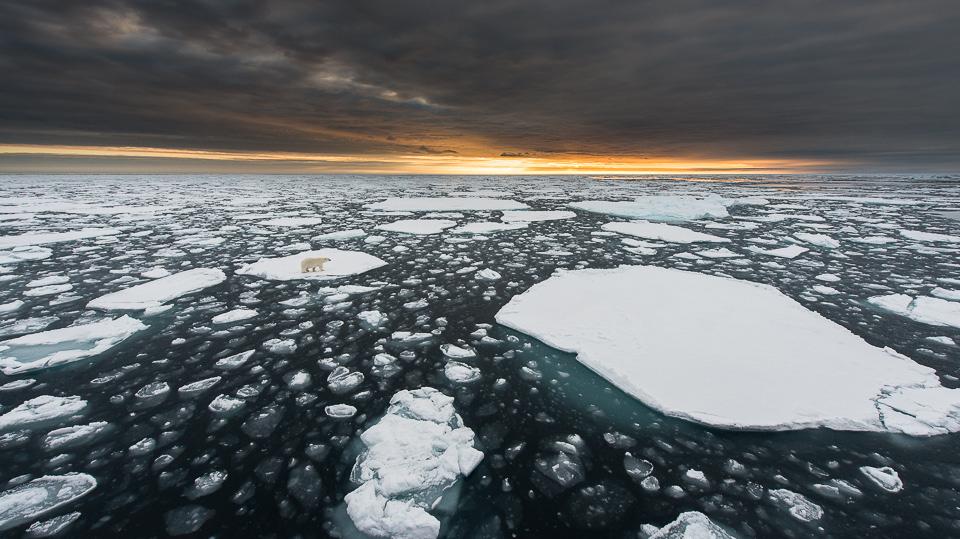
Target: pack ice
[[339, 264], [28, 502], [758, 359], [418, 450], [159, 291], [66, 345]]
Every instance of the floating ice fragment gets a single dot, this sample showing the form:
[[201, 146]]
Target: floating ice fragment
[[418, 226], [41, 411], [886, 478], [236, 315], [30, 501], [341, 235], [445, 204], [531, 216], [487, 274], [60, 346], [461, 373], [797, 505], [820, 240], [21, 254], [234, 361], [917, 235], [291, 222], [659, 207], [791, 251], [41, 238], [157, 292], [664, 232], [74, 436], [372, 320], [418, 450], [340, 411], [923, 309], [487, 227], [691, 525]]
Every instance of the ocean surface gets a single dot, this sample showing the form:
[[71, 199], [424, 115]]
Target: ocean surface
[[554, 434]]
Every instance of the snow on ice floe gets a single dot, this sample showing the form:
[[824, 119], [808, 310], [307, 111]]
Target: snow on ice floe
[[531, 216], [446, 204], [666, 207], [339, 264], [23, 254], [155, 293], [291, 222], [790, 251], [923, 309], [341, 235], [42, 411], [418, 226], [663, 232], [691, 525], [917, 235], [41, 238], [235, 315], [760, 360], [487, 227], [60, 346], [418, 450], [29, 501]]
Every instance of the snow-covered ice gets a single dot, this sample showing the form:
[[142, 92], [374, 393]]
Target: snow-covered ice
[[28, 502], [662, 232], [339, 264], [753, 345], [60, 346], [159, 291], [41, 411], [446, 204], [923, 309], [418, 450], [418, 226]]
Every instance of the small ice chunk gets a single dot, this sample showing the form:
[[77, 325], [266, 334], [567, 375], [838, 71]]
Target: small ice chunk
[[340, 411], [74, 436], [341, 235], [461, 373], [790, 251], [487, 274], [236, 315], [797, 505], [234, 361], [886, 478], [691, 525]]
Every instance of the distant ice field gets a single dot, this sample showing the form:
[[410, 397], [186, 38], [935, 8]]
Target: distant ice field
[[369, 356]]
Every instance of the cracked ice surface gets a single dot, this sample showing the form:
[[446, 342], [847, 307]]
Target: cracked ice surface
[[413, 454]]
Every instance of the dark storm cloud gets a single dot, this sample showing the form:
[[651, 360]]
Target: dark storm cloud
[[868, 82]]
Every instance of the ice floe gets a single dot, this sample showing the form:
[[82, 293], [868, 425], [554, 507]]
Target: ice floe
[[30, 501], [754, 345], [339, 264], [42, 238], [691, 525], [923, 309], [60, 346], [159, 291], [42, 411], [665, 207], [532, 216], [418, 226], [446, 204], [418, 450], [663, 232]]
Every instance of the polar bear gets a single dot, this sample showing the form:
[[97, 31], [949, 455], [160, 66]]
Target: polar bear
[[308, 265]]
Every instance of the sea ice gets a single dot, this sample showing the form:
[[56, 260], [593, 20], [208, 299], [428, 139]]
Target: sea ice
[[760, 360], [236, 315], [663, 207], [487, 227], [339, 264], [418, 450], [886, 478], [790, 251], [30, 501], [22, 254], [531, 216], [418, 226], [155, 293], [41, 411], [341, 235], [691, 525], [60, 346], [923, 309], [446, 204], [291, 222], [820, 240], [663, 232], [917, 235], [42, 238]]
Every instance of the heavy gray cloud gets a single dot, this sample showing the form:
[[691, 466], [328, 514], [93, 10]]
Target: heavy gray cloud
[[869, 83]]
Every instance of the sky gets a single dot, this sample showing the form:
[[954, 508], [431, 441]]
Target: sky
[[480, 87]]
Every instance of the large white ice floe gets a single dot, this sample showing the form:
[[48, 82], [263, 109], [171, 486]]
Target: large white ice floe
[[66, 345], [159, 291], [446, 204], [41, 411], [338, 264], [531, 216], [923, 309], [24, 253], [418, 450], [487, 227], [418, 226], [730, 353], [665, 207], [691, 525], [28, 502], [41, 238], [661, 231]]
